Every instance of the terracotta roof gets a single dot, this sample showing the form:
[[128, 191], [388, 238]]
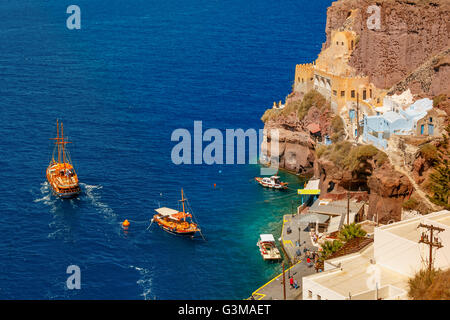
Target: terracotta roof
[[313, 127]]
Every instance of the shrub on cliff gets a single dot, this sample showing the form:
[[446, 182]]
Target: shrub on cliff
[[312, 98], [357, 159], [440, 176], [301, 107], [269, 114], [430, 153], [338, 152], [410, 204], [440, 184], [426, 285], [337, 126], [320, 150], [438, 99]]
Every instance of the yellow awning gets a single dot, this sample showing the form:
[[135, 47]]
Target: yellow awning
[[308, 191]]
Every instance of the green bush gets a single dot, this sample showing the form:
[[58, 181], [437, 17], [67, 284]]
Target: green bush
[[380, 158], [351, 231], [301, 107], [356, 159], [269, 114], [426, 285], [312, 98], [410, 204], [320, 150], [330, 247], [430, 153], [438, 99], [337, 126]]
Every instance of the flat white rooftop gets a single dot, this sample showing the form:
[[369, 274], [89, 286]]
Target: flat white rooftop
[[407, 229], [355, 275]]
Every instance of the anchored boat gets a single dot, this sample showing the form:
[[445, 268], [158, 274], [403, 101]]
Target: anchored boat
[[61, 174], [272, 182], [268, 248], [175, 221]]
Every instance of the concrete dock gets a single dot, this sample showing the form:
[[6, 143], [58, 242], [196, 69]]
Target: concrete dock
[[297, 239], [273, 290]]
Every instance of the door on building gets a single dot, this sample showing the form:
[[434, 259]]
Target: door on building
[[422, 129], [430, 129]]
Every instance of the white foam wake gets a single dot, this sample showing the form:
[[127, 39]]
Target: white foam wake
[[93, 195], [145, 282]]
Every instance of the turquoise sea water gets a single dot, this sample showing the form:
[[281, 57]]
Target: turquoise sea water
[[136, 71]]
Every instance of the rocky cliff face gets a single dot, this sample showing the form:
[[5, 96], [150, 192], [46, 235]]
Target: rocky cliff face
[[387, 189], [296, 146], [411, 32], [410, 50]]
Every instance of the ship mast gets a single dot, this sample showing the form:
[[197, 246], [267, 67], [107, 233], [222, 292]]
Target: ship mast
[[60, 144], [57, 141], [182, 201], [63, 143]]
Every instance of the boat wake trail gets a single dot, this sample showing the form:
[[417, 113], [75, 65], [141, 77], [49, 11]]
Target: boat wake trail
[[145, 282], [46, 197], [91, 192]]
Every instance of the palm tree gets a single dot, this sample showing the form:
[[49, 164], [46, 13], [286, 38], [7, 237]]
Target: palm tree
[[351, 231], [330, 247]]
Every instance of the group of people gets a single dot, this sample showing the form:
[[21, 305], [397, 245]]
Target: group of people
[[312, 258]]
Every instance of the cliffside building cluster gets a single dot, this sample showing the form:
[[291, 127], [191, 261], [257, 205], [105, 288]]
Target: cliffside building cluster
[[332, 76], [417, 119], [359, 102]]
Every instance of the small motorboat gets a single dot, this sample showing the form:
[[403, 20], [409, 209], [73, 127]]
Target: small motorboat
[[272, 182], [268, 248]]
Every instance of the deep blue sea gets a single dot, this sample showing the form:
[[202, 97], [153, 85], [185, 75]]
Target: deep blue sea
[[136, 71]]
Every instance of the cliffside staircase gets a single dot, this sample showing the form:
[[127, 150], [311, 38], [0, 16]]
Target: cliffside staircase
[[399, 165]]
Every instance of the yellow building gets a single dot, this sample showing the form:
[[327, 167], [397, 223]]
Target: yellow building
[[332, 76]]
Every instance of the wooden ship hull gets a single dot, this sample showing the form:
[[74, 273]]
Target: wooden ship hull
[[174, 230], [176, 222], [63, 189]]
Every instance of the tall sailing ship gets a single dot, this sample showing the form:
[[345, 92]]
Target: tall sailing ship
[[61, 174]]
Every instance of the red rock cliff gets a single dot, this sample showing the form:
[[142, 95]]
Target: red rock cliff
[[411, 32]]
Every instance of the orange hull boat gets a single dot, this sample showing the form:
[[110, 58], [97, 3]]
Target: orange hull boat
[[176, 222], [60, 173]]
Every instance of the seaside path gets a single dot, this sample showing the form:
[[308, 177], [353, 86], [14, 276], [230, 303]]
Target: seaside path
[[273, 290]]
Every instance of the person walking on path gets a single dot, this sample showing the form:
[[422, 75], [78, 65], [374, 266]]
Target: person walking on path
[[291, 281]]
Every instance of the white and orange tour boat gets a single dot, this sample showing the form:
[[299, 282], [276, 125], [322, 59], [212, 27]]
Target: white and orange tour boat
[[61, 174], [272, 182], [175, 221], [268, 248]]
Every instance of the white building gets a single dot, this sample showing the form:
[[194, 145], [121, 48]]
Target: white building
[[382, 270]]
